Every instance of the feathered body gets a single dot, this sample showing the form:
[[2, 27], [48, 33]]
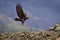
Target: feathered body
[[22, 16]]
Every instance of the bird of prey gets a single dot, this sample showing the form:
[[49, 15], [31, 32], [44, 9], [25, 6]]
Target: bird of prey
[[21, 15]]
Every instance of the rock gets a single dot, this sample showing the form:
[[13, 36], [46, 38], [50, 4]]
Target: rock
[[55, 28], [58, 38], [40, 35]]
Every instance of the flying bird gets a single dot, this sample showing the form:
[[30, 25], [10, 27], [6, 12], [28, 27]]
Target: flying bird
[[21, 15]]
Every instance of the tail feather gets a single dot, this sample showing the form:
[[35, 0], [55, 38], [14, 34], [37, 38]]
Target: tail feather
[[26, 18]]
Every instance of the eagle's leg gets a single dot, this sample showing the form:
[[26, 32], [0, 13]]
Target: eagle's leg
[[22, 21]]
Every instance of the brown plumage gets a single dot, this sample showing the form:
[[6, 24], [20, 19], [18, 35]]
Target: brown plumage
[[22, 16]]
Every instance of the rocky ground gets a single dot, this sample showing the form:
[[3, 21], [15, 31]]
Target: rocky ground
[[41, 35], [52, 34]]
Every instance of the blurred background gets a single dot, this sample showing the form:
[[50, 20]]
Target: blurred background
[[43, 14]]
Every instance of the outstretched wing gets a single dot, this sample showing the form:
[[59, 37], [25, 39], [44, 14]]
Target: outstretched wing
[[19, 10]]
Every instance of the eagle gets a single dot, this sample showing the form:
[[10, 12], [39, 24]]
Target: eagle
[[21, 15]]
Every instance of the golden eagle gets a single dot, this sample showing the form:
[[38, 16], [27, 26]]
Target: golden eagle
[[22, 16]]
